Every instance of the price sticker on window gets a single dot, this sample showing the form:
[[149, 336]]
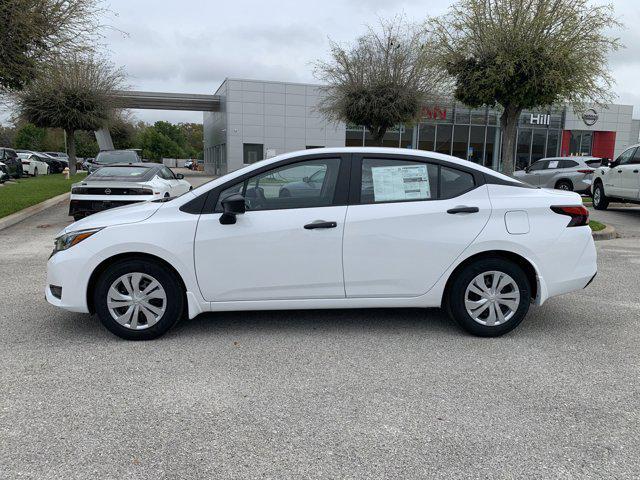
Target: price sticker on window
[[402, 182]]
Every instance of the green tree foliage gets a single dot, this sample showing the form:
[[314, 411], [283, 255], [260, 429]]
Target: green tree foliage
[[156, 145], [29, 137], [74, 94], [380, 81], [521, 54], [34, 32], [86, 144]]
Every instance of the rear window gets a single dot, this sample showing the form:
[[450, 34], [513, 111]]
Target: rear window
[[568, 164], [119, 172], [123, 156], [455, 182]]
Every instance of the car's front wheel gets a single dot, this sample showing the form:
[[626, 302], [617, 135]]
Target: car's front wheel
[[138, 299], [600, 200], [489, 297]]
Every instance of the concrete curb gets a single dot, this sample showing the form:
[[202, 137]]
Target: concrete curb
[[613, 205], [25, 213], [608, 233]]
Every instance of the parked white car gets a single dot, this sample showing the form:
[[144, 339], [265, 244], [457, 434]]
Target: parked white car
[[620, 181], [4, 173], [387, 228], [32, 165], [122, 184]]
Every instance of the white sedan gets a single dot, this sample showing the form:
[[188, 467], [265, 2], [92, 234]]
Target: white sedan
[[386, 228], [33, 165], [123, 184]]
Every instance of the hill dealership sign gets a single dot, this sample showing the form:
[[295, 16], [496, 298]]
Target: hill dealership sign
[[590, 117]]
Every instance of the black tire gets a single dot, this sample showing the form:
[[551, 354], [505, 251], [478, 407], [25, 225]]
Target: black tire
[[455, 301], [168, 280], [35, 172], [78, 217], [564, 185], [600, 200]]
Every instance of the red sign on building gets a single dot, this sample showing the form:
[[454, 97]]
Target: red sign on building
[[434, 112]]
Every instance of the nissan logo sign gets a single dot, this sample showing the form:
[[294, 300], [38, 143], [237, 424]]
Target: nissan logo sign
[[107, 191], [590, 117]]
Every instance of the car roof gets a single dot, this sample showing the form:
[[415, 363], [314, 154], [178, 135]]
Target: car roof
[[134, 165], [368, 150], [583, 158]]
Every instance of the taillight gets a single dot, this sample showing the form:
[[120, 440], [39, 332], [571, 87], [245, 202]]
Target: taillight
[[579, 215], [586, 171]]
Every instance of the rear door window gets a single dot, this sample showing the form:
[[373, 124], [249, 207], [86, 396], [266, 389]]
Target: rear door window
[[390, 180]]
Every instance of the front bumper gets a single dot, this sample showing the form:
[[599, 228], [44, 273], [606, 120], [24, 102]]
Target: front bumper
[[70, 273]]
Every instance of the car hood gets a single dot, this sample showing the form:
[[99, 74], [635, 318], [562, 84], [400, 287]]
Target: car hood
[[134, 213]]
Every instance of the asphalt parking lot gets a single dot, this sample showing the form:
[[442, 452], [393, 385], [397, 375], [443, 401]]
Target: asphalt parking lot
[[335, 394]]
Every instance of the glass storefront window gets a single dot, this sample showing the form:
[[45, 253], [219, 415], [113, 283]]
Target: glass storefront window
[[523, 148], [492, 148], [538, 144], [354, 136], [406, 137], [476, 144], [460, 141], [443, 138], [553, 143], [426, 136], [479, 116], [462, 115]]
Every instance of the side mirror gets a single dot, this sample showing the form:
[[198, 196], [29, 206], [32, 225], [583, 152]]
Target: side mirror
[[306, 179], [179, 176], [232, 205], [527, 169]]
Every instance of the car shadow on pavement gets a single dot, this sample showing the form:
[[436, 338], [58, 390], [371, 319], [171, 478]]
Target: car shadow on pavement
[[420, 321]]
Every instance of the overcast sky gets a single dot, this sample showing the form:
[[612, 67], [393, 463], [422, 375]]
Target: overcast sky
[[192, 45]]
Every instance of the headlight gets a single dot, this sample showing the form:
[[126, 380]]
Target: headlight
[[70, 239]]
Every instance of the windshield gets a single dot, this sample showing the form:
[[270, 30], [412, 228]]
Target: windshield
[[119, 172], [23, 155], [118, 156]]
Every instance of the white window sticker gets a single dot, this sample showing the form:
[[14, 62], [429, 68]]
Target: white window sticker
[[553, 164], [403, 182]]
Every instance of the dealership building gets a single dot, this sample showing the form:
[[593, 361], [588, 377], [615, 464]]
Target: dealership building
[[261, 119]]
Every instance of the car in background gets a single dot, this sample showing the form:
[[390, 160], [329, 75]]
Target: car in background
[[388, 228], [123, 184], [110, 157], [56, 165], [619, 180], [562, 173], [33, 165], [61, 155], [4, 173], [12, 162]]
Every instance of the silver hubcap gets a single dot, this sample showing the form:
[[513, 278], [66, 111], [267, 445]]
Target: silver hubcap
[[492, 298], [596, 196], [136, 301]]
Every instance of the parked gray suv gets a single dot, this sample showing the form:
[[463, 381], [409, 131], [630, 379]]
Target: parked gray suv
[[563, 173]]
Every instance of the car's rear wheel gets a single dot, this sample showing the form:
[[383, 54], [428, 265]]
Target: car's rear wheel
[[138, 299], [600, 200], [564, 185], [489, 297]]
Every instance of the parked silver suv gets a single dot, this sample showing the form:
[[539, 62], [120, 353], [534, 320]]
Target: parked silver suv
[[563, 173]]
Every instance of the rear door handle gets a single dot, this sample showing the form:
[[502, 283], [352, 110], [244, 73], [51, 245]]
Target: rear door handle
[[320, 224], [619, 171], [635, 171], [463, 210]]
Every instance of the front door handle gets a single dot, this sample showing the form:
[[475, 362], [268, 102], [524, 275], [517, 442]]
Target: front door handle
[[463, 210], [320, 224], [635, 171], [619, 171]]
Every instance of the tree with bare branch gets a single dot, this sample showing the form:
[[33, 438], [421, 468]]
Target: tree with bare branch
[[35, 32], [73, 94], [380, 81], [522, 54]]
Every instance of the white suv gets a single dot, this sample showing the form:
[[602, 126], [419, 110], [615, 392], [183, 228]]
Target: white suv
[[619, 181]]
